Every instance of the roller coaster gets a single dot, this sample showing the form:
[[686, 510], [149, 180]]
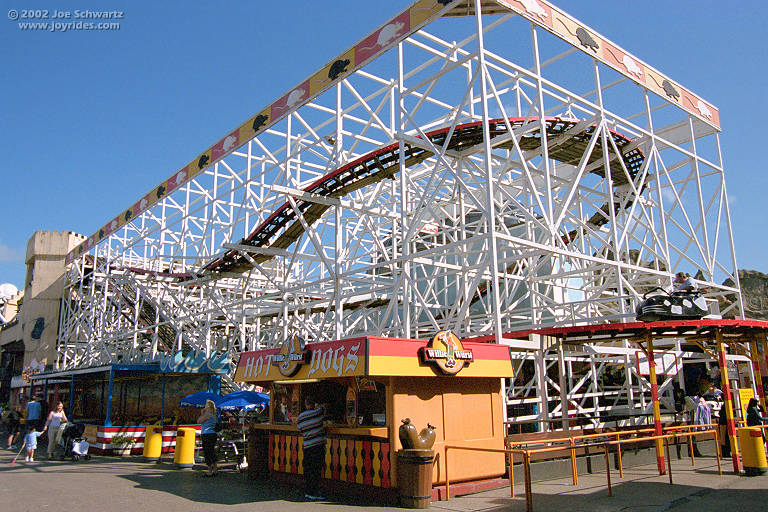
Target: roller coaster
[[432, 176]]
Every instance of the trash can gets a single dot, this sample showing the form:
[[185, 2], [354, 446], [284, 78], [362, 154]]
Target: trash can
[[414, 477], [184, 456], [153, 443], [752, 451]]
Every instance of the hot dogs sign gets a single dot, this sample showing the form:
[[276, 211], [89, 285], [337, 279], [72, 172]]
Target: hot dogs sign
[[294, 358]]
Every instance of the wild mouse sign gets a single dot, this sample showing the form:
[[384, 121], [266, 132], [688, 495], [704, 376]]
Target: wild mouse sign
[[446, 353]]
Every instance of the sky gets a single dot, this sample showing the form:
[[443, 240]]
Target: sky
[[92, 120]]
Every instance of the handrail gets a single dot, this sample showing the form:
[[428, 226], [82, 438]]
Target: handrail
[[526, 453]]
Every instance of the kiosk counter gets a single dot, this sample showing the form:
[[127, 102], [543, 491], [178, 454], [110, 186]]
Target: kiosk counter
[[368, 386]]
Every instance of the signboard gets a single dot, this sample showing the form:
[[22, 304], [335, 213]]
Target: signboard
[[446, 353], [666, 363], [195, 362], [291, 356], [745, 395], [320, 360]]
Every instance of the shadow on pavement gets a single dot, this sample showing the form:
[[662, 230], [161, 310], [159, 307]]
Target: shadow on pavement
[[630, 496]]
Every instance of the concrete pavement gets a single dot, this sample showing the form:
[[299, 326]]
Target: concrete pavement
[[126, 484]]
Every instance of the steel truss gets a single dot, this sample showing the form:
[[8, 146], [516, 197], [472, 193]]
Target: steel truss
[[481, 175]]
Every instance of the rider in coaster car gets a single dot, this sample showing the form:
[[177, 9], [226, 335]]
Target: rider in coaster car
[[683, 283]]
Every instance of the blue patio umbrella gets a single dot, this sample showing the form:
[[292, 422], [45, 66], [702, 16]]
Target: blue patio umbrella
[[198, 399], [246, 400]]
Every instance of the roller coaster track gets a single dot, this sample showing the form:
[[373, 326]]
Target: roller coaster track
[[282, 228]]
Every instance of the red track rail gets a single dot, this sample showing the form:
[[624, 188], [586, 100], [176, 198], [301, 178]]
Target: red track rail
[[275, 231]]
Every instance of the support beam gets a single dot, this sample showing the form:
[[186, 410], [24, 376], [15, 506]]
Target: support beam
[[756, 369], [110, 386], [656, 409], [728, 403]]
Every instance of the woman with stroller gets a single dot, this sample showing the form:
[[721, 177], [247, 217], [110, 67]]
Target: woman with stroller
[[208, 419], [53, 424]]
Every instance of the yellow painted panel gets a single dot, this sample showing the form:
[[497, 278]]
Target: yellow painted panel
[[397, 366], [465, 412]]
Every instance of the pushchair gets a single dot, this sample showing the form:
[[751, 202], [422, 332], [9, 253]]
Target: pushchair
[[75, 445]]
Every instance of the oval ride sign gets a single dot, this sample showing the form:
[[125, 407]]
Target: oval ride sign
[[446, 353]]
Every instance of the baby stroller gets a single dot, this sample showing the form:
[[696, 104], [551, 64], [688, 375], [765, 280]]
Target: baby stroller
[[75, 445]]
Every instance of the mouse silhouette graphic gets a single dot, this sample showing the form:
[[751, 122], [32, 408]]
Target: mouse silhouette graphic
[[160, 191], [203, 161], [337, 68], [586, 40], [259, 121], [128, 215], [179, 178], [229, 142], [703, 109], [296, 97], [631, 65], [101, 233], [533, 7], [670, 90], [386, 35]]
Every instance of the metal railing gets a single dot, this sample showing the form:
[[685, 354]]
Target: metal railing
[[526, 455]]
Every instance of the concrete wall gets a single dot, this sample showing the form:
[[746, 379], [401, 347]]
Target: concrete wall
[[44, 286]]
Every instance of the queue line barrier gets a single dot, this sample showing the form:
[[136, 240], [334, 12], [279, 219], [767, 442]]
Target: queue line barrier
[[526, 455], [572, 441]]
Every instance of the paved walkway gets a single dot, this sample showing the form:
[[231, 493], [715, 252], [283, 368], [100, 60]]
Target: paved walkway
[[115, 485]]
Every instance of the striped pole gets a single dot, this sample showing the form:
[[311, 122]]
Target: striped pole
[[656, 410], [756, 368], [727, 404]]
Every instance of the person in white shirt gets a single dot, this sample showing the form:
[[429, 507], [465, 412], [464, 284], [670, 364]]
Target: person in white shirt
[[53, 425]]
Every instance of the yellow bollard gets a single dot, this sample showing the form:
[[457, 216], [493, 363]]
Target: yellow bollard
[[184, 456], [153, 443], [752, 451]]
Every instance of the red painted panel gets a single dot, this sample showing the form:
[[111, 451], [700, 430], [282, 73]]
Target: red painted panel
[[385, 465], [367, 462]]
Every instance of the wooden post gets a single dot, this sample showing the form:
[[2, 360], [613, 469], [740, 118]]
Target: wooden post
[[527, 470], [574, 471], [656, 409], [727, 403]]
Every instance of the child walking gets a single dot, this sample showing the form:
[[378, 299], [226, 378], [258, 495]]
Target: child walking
[[30, 441]]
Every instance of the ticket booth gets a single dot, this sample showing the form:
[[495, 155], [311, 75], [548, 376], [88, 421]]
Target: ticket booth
[[369, 385]]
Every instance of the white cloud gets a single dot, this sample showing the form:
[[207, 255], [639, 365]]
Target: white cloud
[[10, 253]]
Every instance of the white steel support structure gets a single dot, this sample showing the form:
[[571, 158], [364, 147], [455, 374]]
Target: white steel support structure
[[464, 169]]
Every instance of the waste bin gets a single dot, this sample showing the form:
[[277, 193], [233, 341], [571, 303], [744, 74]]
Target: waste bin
[[414, 477], [184, 456], [752, 451], [153, 443]]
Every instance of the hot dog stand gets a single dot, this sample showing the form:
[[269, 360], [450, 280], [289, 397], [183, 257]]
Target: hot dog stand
[[369, 384]]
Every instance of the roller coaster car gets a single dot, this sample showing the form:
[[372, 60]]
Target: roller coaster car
[[658, 304]]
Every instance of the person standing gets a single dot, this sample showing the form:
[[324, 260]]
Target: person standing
[[208, 420], [702, 416], [34, 409], [13, 423], [755, 416], [56, 418], [722, 430], [30, 441], [312, 430]]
